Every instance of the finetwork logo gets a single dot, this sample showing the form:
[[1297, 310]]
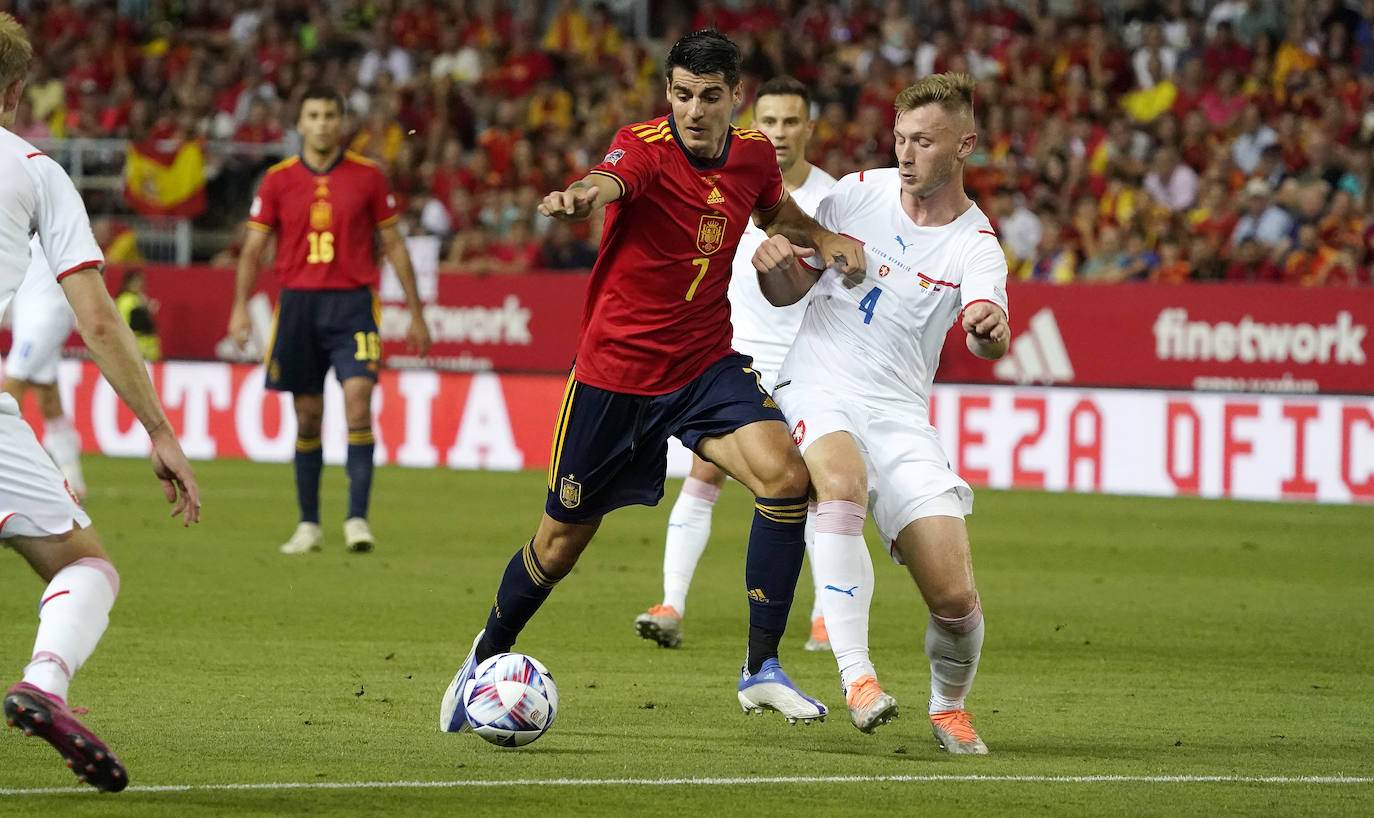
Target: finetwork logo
[[1037, 355], [506, 324], [1178, 339]]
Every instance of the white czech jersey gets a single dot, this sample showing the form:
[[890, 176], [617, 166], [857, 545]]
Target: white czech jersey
[[41, 320], [762, 330], [38, 197], [881, 339]]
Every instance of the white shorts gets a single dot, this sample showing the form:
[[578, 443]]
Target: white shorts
[[41, 320], [908, 472], [34, 499]]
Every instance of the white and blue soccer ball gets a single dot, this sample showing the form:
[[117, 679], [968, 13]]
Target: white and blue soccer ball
[[511, 700]]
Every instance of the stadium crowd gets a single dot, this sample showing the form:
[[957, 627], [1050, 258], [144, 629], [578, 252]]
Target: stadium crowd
[[1183, 140]]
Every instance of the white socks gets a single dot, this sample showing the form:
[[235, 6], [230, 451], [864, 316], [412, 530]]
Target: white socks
[[816, 585], [844, 573], [72, 613], [63, 444], [689, 527], [953, 646]]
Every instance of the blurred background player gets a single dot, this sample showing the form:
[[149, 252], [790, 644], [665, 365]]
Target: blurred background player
[[41, 321], [856, 387], [39, 517], [654, 360], [325, 204], [782, 111]]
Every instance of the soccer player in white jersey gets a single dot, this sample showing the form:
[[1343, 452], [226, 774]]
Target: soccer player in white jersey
[[39, 518], [41, 320], [856, 384], [782, 110]]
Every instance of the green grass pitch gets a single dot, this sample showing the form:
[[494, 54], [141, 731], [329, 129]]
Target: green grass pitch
[[1138, 638]]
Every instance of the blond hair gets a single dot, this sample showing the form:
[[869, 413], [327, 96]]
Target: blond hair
[[952, 92], [16, 52]]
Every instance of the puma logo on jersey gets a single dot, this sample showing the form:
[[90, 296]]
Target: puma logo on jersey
[[901, 243]]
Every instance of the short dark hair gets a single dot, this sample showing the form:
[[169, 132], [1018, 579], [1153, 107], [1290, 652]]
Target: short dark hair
[[326, 93], [785, 86], [705, 52]]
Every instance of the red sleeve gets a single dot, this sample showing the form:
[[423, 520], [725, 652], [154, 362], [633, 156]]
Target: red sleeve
[[773, 191], [264, 213], [633, 160], [383, 202]]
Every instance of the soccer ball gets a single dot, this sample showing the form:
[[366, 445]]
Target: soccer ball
[[511, 700]]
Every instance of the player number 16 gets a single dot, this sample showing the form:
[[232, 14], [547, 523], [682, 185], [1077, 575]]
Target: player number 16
[[321, 247]]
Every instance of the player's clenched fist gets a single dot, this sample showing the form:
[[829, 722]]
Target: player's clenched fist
[[573, 204], [846, 255], [985, 321], [777, 255]]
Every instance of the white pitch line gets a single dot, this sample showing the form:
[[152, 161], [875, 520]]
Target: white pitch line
[[717, 782]]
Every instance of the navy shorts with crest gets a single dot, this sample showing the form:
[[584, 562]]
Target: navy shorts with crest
[[610, 449], [316, 329]]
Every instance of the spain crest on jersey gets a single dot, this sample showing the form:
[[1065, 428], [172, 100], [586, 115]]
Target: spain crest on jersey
[[569, 492], [321, 215], [711, 234]]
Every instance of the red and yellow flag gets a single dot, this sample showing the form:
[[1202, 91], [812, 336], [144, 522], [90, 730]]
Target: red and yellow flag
[[165, 183]]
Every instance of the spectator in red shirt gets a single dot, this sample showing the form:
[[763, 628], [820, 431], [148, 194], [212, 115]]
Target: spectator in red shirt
[[498, 141], [714, 14], [258, 128], [1000, 17], [1225, 52], [524, 66]]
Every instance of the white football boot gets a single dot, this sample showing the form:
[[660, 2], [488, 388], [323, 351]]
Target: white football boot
[[306, 538]]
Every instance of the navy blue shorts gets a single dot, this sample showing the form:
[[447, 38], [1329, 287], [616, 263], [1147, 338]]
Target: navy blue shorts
[[610, 449], [316, 329]]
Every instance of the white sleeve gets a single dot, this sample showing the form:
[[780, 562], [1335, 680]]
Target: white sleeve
[[63, 226], [985, 273]]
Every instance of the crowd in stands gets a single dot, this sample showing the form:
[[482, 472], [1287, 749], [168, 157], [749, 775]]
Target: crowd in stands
[[1182, 140]]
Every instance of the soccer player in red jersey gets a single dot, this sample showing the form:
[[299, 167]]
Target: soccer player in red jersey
[[324, 205], [655, 360]]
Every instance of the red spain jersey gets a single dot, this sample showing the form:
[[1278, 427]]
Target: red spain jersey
[[324, 221], [657, 313]]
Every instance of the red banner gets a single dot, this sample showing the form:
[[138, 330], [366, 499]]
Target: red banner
[[1208, 337], [1118, 441], [524, 323], [1247, 338]]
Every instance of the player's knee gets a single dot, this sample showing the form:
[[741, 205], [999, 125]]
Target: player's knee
[[840, 484], [787, 478], [953, 602], [308, 421], [358, 416]]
